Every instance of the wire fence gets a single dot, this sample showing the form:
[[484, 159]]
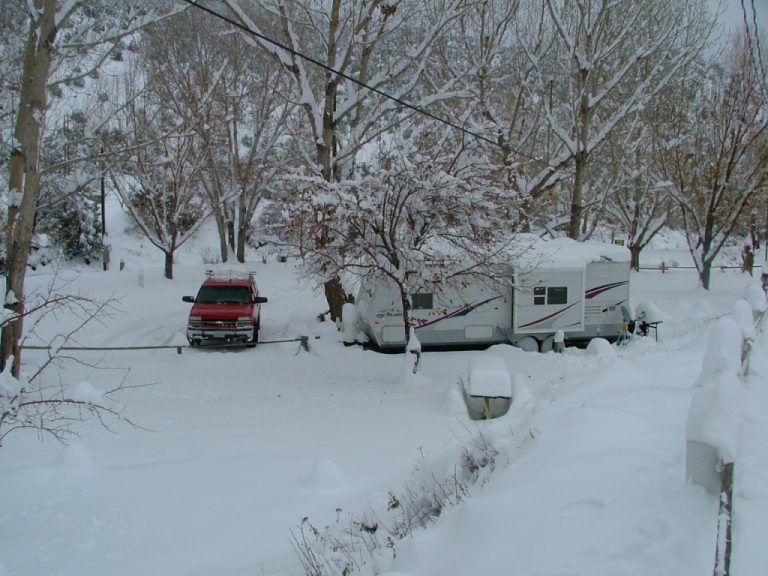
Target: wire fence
[[303, 340], [668, 267]]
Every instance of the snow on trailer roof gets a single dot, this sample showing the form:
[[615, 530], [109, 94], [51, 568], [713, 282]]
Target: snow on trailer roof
[[567, 253]]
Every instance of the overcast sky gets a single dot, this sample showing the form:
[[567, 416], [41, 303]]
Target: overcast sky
[[733, 14]]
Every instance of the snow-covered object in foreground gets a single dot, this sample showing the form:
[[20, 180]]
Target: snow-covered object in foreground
[[488, 376], [349, 322], [557, 285], [723, 353], [714, 419], [489, 388]]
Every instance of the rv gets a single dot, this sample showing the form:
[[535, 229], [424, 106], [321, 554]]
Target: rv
[[579, 289]]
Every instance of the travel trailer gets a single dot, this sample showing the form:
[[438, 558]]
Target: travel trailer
[[579, 289]]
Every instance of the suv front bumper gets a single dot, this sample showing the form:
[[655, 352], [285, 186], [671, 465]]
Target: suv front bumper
[[226, 333]]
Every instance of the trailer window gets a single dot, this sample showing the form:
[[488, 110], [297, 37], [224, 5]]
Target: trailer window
[[551, 295], [421, 301], [557, 295]]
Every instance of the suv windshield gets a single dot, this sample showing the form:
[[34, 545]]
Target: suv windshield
[[223, 294]]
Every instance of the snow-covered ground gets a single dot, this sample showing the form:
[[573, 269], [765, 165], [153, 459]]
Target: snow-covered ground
[[236, 447]]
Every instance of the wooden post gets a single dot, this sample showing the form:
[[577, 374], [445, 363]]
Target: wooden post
[[724, 520]]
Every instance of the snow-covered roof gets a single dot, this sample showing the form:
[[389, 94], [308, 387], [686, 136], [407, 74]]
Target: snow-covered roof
[[566, 253]]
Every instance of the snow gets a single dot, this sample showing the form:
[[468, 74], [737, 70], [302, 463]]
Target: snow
[[601, 347], [488, 376], [236, 447], [565, 252], [86, 392]]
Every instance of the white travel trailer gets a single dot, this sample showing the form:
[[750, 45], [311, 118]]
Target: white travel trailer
[[578, 288]]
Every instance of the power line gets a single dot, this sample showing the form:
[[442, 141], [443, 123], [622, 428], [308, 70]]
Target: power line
[[324, 66], [757, 62]]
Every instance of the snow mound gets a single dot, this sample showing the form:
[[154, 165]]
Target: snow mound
[[85, 392], [755, 295], [601, 347], [454, 401], [742, 315], [75, 459], [716, 414], [524, 401], [648, 312], [723, 354], [327, 476]]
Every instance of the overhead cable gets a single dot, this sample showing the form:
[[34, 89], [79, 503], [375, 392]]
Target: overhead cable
[[314, 61]]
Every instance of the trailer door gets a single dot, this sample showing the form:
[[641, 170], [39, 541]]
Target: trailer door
[[549, 300]]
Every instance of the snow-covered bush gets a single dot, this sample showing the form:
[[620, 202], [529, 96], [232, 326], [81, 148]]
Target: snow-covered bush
[[366, 543], [74, 226]]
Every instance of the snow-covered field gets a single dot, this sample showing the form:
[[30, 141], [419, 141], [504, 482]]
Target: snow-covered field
[[236, 447]]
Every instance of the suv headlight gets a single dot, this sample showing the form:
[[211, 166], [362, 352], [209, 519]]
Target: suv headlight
[[197, 320]]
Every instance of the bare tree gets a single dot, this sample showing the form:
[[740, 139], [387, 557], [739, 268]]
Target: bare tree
[[591, 65], [35, 401], [234, 100], [64, 42], [157, 174], [640, 203], [383, 44], [716, 155], [421, 214]]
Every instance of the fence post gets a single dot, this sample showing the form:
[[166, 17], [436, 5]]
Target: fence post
[[724, 520]]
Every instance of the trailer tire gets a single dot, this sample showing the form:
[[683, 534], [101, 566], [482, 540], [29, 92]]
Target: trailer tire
[[528, 343], [547, 344]]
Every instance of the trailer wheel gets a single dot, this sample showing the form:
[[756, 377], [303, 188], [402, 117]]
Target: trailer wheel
[[547, 343], [529, 344]]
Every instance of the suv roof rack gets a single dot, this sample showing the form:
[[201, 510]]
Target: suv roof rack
[[229, 274]]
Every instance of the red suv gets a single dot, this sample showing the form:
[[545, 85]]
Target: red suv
[[226, 309]]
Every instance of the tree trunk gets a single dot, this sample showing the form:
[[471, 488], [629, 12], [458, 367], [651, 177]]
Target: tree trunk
[[24, 172], [11, 332], [169, 265], [334, 294], [634, 254], [231, 234], [574, 222], [242, 236], [243, 226], [406, 305], [581, 158], [221, 228], [705, 275]]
